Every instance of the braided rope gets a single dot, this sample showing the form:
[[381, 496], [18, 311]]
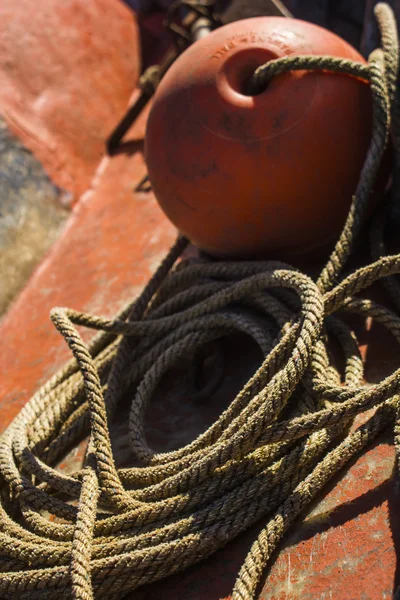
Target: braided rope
[[268, 455]]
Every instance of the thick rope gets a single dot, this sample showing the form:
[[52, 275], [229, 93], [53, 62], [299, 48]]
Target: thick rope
[[269, 454]]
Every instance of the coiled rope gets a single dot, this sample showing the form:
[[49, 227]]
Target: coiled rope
[[272, 451]]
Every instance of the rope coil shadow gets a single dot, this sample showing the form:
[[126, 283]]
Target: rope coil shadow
[[269, 454]]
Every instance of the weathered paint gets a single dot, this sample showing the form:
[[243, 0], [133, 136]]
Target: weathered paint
[[30, 215], [67, 70], [346, 547], [111, 244]]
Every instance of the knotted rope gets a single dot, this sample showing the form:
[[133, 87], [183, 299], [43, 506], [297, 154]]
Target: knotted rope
[[269, 454]]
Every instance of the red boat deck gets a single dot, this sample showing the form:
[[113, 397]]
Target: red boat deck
[[64, 86], [347, 546]]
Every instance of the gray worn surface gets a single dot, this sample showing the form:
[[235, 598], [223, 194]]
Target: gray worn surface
[[30, 215]]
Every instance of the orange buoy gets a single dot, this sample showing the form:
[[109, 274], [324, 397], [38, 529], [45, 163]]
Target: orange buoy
[[265, 175]]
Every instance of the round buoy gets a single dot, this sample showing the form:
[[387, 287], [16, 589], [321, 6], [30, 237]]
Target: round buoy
[[270, 174]]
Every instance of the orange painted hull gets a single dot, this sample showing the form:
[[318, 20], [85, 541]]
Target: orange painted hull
[[346, 548]]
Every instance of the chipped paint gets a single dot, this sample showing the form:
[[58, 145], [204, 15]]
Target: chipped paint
[[345, 548], [97, 265], [80, 54]]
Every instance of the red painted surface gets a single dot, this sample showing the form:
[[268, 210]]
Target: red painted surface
[[55, 56], [109, 248], [346, 548]]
